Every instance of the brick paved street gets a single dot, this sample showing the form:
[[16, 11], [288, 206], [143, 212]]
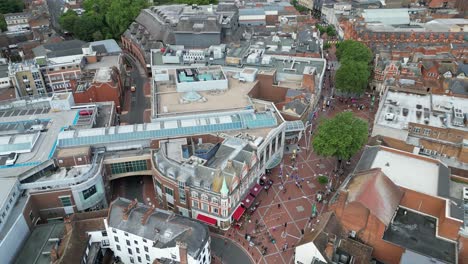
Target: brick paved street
[[295, 204]]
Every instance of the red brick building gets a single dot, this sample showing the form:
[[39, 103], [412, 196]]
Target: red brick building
[[371, 207], [102, 85]]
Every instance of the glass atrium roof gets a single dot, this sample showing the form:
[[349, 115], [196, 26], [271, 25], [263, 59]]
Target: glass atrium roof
[[168, 128]]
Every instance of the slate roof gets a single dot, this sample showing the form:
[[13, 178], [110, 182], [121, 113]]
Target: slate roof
[[59, 49], [376, 192], [164, 228]]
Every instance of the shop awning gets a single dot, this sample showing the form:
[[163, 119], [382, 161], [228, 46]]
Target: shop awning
[[247, 202], [238, 213], [207, 219], [256, 190]]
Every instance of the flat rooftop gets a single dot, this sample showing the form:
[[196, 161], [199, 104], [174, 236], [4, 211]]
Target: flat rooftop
[[46, 142], [418, 233], [412, 173], [434, 110], [38, 243], [281, 63], [63, 173], [235, 97]]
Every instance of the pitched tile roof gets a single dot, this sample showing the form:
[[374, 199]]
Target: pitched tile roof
[[375, 191]]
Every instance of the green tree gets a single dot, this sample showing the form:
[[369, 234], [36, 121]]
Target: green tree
[[11, 6], [352, 77], [3, 24], [331, 32], [298, 7], [322, 179], [340, 137], [102, 18], [121, 13], [354, 50], [68, 20]]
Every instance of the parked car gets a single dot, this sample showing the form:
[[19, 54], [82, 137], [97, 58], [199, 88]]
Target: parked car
[[132, 88]]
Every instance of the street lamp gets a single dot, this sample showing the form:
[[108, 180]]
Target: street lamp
[[308, 135]]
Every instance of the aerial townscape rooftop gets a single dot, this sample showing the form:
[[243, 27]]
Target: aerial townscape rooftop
[[199, 132]]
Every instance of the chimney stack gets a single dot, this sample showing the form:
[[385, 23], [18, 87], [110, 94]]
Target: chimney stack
[[127, 210], [183, 252], [148, 213]]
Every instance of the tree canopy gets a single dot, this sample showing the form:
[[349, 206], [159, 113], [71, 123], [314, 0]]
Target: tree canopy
[[330, 30], [354, 51], [354, 72], [340, 137], [11, 6], [102, 18], [3, 24], [352, 77]]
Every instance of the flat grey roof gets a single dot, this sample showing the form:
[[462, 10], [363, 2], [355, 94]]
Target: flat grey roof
[[3, 70], [38, 242], [418, 233], [46, 143]]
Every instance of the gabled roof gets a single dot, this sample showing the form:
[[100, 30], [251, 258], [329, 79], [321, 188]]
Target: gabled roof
[[376, 192]]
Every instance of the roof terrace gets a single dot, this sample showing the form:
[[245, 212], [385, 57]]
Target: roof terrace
[[169, 102], [419, 233], [401, 108]]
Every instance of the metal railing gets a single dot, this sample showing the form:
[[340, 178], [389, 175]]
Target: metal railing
[[95, 169]]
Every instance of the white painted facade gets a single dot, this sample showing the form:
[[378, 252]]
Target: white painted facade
[[131, 248], [306, 253], [12, 242]]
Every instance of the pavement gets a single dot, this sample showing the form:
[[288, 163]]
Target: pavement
[[285, 211], [228, 252]]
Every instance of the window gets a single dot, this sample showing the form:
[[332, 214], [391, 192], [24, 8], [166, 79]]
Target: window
[[132, 260], [66, 201], [89, 192], [169, 191], [194, 195], [214, 200], [116, 239], [195, 204], [113, 230], [128, 242], [139, 259], [129, 251], [182, 196], [204, 197], [118, 248], [138, 250], [104, 233], [8, 207], [416, 130], [31, 217], [129, 166], [126, 234], [426, 132], [146, 248], [144, 240], [214, 210], [147, 257], [136, 242], [205, 207]]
